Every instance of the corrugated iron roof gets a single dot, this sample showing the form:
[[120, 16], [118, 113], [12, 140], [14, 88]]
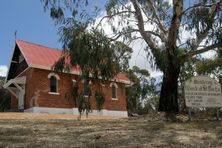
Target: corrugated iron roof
[[43, 57]]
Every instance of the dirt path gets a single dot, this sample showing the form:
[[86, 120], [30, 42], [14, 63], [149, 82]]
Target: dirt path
[[141, 132], [46, 116]]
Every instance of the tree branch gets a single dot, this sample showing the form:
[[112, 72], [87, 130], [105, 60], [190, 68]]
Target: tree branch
[[195, 6], [159, 23], [118, 35], [202, 50], [115, 37], [147, 37], [110, 16], [214, 9], [174, 27]]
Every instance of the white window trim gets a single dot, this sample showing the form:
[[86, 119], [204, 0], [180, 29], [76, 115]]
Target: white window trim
[[54, 93], [86, 96], [114, 99], [116, 86], [53, 74], [57, 83]]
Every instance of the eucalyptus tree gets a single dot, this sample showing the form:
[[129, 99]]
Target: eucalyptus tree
[[98, 58], [164, 27], [211, 66]]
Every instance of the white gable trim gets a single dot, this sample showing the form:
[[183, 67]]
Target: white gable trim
[[10, 62]]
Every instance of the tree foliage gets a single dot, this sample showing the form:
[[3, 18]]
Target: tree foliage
[[100, 99], [142, 90], [211, 66], [94, 53]]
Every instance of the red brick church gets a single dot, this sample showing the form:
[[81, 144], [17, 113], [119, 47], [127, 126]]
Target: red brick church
[[34, 87]]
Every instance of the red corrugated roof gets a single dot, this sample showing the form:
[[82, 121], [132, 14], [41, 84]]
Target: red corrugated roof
[[39, 56]]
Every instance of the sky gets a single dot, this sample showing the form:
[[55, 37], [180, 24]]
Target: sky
[[30, 21]]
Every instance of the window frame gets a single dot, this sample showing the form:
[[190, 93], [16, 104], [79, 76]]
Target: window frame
[[57, 84], [116, 90]]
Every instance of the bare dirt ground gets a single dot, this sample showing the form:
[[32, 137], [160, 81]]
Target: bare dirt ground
[[44, 130]]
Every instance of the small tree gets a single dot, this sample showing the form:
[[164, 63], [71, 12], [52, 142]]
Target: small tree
[[100, 99], [99, 58], [143, 89]]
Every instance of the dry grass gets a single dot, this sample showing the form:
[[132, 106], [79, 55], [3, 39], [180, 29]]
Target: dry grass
[[139, 132]]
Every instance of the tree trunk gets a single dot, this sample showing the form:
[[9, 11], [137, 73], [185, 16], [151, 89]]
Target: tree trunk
[[169, 91]]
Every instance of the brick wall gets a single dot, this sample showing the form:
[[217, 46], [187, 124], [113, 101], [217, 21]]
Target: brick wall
[[38, 85]]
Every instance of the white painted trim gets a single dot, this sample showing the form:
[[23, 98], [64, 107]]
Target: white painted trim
[[54, 93], [124, 81], [16, 81], [10, 62], [53, 74], [17, 75], [104, 112], [116, 86], [20, 80], [48, 68], [20, 88], [12, 92], [22, 72], [112, 83], [75, 111], [14, 62], [49, 110]]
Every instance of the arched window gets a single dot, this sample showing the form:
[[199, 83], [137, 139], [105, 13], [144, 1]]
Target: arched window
[[53, 84], [114, 90]]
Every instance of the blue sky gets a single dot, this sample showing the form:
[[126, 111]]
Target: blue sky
[[30, 21]]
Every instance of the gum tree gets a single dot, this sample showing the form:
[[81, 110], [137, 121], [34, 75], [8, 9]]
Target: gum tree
[[164, 27], [211, 66]]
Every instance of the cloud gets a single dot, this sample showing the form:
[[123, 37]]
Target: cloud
[[139, 56], [209, 54], [3, 70]]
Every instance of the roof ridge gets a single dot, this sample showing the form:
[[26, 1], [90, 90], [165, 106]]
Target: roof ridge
[[39, 45]]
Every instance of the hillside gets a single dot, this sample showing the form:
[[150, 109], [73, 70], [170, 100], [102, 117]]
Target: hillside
[[148, 131]]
